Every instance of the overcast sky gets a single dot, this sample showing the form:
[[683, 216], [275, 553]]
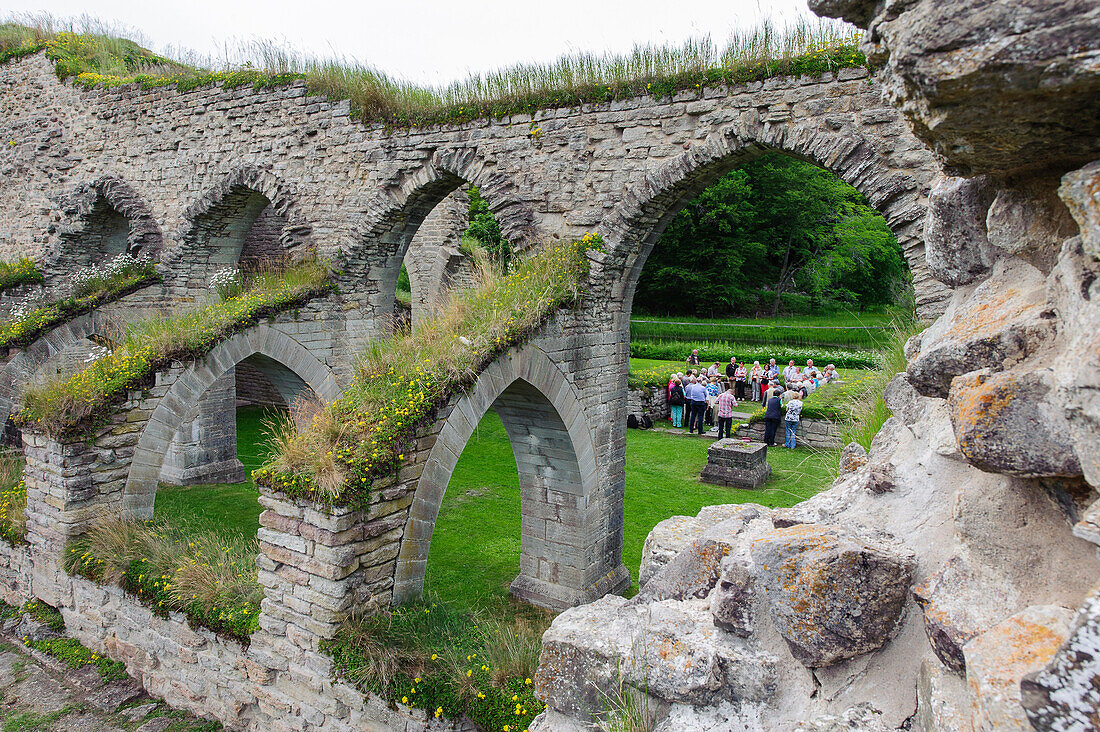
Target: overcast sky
[[427, 41]]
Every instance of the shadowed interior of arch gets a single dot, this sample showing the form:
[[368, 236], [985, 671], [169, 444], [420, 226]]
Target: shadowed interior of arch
[[554, 546], [243, 229]]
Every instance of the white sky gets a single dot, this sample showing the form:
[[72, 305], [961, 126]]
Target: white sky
[[426, 41]]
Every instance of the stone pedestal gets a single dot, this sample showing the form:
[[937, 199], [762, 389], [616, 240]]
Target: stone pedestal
[[737, 464]]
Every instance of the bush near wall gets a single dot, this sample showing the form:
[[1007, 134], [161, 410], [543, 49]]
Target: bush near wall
[[720, 351], [22, 272], [13, 498], [72, 406]]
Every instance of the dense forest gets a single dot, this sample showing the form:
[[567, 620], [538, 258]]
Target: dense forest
[[776, 235]]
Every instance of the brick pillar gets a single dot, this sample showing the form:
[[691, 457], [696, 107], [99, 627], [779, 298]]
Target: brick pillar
[[204, 449]]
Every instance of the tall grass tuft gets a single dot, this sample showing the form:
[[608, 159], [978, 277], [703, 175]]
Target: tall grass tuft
[[868, 408], [207, 574], [95, 54]]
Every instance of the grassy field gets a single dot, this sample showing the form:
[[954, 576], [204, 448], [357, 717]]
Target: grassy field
[[475, 548]]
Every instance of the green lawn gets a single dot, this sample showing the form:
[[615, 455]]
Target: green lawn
[[880, 317], [231, 508], [475, 547]]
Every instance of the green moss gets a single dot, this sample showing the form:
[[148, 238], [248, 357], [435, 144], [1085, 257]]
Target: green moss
[[75, 654]]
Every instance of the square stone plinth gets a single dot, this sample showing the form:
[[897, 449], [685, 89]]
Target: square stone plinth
[[737, 464]]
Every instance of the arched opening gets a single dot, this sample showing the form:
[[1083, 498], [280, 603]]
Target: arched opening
[[204, 431], [110, 219], [688, 221], [568, 555], [242, 230], [436, 259]]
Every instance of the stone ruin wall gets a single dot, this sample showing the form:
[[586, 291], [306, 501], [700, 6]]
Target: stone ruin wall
[[949, 578], [619, 169]]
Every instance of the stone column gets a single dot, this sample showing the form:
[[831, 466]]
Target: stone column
[[204, 449]]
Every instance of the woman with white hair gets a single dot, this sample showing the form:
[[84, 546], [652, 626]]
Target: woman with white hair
[[755, 376]]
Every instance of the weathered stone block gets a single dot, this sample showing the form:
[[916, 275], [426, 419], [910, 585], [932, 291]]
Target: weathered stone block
[[732, 462]]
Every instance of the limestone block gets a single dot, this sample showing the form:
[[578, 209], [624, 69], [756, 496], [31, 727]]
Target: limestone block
[[830, 595], [1081, 192], [999, 658], [943, 704], [1065, 693], [852, 458], [673, 535], [692, 573], [732, 603], [955, 243], [1002, 321], [1006, 423]]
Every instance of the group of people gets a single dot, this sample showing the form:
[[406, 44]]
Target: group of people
[[708, 399]]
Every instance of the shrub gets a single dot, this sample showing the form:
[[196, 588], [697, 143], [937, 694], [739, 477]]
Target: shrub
[[209, 577], [71, 405], [721, 352], [401, 380], [227, 283], [13, 498], [429, 656]]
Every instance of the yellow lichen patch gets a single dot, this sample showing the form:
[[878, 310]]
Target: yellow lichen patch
[[977, 404], [990, 312]]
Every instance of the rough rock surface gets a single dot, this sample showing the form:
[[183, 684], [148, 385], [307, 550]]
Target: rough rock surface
[[673, 535], [999, 658], [956, 246], [852, 457], [831, 596], [1065, 694]]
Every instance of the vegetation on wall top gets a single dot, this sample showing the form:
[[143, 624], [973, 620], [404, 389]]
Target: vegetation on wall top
[[21, 272], [96, 56], [403, 379], [67, 406]]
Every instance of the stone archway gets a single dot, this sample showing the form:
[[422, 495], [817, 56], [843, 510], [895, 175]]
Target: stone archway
[[650, 205], [570, 550], [189, 387], [18, 370]]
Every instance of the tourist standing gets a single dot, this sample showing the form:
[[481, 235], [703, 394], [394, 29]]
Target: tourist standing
[[676, 402], [726, 402], [794, 414], [693, 359], [755, 376], [773, 370], [773, 412], [714, 370], [739, 379], [697, 405], [791, 373], [731, 369]]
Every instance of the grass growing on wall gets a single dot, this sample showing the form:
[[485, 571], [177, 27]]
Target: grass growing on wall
[[96, 56], [67, 406], [401, 380], [451, 663], [92, 287], [208, 575], [21, 272]]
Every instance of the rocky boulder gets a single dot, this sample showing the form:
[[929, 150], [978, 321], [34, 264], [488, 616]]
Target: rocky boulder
[[1065, 693], [673, 535], [831, 595], [998, 659], [956, 246], [1000, 323], [1009, 423]]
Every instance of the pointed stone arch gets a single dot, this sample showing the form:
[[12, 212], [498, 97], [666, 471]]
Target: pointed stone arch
[[393, 217], [278, 351], [108, 217], [650, 205], [570, 543]]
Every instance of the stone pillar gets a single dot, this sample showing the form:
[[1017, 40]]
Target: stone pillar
[[204, 449], [63, 499]]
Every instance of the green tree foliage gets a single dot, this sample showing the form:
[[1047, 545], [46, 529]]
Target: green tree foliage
[[486, 229], [772, 228]]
